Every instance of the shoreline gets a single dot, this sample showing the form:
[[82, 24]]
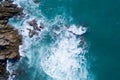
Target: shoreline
[[10, 39]]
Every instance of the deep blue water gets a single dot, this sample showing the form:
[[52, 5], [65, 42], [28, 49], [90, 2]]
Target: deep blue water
[[47, 57]]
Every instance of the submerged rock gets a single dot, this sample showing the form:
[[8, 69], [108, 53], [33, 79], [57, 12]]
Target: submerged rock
[[36, 1], [9, 37], [35, 29]]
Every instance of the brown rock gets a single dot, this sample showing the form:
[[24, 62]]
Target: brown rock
[[9, 37], [3, 21], [2, 57], [3, 15]]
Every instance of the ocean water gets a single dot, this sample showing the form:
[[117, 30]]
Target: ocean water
[[66, 49]]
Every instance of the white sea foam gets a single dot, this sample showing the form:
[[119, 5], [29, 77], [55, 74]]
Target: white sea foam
[[62, 62], [61, 59], [78, 31]]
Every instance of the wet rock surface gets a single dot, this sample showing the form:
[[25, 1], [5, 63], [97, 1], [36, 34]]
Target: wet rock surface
[[9, 37], [36, 1], [35, 29]]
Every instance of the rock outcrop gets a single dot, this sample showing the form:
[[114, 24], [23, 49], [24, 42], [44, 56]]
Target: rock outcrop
[[35, 29], [9, 37]]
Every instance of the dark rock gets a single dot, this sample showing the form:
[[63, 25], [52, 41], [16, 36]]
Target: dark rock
[[32, 33], [36, 28], [36, 1]]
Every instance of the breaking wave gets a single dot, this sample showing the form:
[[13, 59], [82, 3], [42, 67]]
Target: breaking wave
[[57, 52]]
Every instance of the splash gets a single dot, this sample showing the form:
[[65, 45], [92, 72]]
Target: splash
[[65, 60], [57, 52]]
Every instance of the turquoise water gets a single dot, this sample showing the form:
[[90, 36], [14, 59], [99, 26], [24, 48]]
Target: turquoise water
[[46, 57]]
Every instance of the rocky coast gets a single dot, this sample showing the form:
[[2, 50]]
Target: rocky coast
[[9, 37]]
